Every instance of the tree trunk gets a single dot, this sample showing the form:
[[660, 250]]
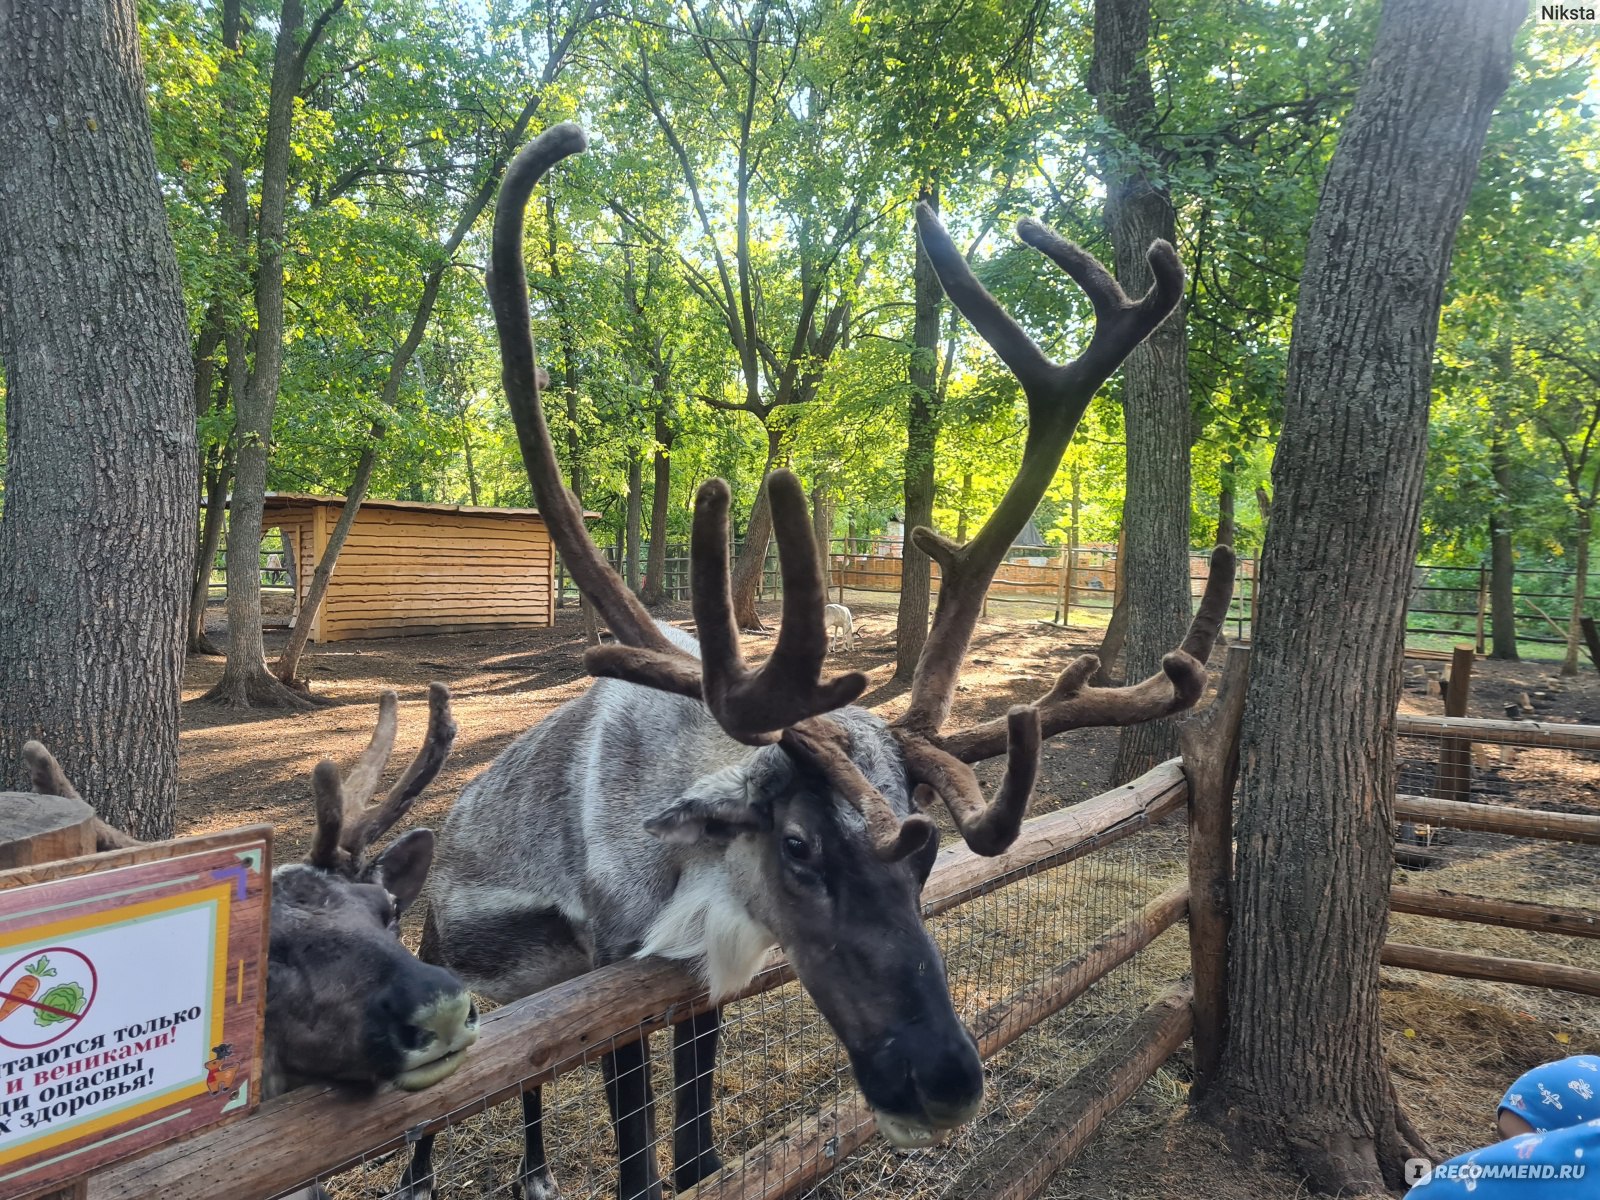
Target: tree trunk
[[922, 441], [216, 485], [288, 665], [1502, 564], [1580, 586], [822, 531], [1304, 1068], [655, 570], [100, 497], [752, 560], [1116, 634], [245, 681], [1226, 530], [961, 508], [1155, 382], [635, 519]]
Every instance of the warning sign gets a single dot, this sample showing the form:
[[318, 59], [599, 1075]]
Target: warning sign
[[130, 1003]]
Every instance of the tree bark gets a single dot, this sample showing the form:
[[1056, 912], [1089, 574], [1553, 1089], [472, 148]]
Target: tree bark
[[245, 681], [822, 531], [1580, 587], [1155, 382], [922, 442], [635, 519], [288, 665], [1226, 529], [752, 560], [1304, 1069], [1502, 563], [100, 498], [217, 478], [655, 569]]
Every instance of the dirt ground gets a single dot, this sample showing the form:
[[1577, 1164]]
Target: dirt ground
[[1453, 1044]]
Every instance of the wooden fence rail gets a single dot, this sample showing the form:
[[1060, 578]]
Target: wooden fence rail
[[316, 1131]]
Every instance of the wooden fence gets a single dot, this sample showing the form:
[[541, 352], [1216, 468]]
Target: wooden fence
[[314, 1132]]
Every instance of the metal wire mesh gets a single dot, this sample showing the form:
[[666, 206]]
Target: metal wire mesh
[[781, 1072]]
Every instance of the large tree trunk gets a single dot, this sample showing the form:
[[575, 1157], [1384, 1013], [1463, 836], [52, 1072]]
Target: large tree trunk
[[922, 442], [752, 560], [1580, 587], [100, 497], [1155, 382], [1304, 1068], [655, 569], [245, 681], [1502, 564]]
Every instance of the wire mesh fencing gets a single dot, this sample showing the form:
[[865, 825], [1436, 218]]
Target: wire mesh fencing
[[787, 1115]]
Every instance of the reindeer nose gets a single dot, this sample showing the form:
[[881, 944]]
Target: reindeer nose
[[450, 1022]]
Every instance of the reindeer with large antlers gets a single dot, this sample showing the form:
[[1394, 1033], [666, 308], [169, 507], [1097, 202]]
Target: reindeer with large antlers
[[690, 807], [346, 1002]]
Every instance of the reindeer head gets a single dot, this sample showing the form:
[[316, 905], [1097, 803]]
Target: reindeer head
[[346, 1002], [822, 827]]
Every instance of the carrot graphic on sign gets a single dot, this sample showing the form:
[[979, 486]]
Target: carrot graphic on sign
[[25, 987]]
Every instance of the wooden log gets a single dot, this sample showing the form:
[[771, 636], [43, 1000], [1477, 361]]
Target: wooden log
[[1499, 970], [1454, 779], [1509, 914], [1591, 638], [809, 1148], [1210, 741], [315, 1130], [1494, 818], [35, 830], [1052, 1133], [1548, 734]]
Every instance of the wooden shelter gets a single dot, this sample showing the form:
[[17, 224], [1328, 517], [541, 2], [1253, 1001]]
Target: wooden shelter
[[410, 568]]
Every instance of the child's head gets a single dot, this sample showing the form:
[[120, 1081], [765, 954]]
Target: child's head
[[1557, 1095]]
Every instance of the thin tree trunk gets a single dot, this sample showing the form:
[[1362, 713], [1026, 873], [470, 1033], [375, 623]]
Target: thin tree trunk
[[1304, 1070], [245, 681], [100, 497], [288, 665], [1155, 383], [635, 519], [1226, 529], [1502, 563], [217, 480], [961, 507], [752, 560], [1580, 587], [922, 442], [655, 570], [822, 531], [1116, 634]]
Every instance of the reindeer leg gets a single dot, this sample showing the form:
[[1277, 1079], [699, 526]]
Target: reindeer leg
[[418, 1181], [534, 1179], [627, 1075], [694, 1058]]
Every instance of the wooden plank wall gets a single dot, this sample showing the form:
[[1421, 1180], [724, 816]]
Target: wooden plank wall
[[413, 572]]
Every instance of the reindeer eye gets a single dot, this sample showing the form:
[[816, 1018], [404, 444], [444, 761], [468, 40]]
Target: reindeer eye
[[797, 848]]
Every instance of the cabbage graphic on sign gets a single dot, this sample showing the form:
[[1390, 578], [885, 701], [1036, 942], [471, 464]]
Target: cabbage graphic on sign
[[44, 996]]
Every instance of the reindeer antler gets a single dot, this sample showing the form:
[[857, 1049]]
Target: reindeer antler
[[783, 699], [49, 779], [1057, 395], [347, 823]]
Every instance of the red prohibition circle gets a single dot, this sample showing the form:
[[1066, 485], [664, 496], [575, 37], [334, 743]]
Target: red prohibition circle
[[60, 1031]]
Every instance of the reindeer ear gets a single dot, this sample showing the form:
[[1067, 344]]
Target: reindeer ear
[[718, 807], [402, 869]]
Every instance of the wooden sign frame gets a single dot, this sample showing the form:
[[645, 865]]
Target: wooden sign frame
[[179, 928]]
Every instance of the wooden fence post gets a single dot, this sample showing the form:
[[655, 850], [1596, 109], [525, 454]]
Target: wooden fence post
[[1483, 603], [1455, 754], [35, 830], [1210, 741]]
